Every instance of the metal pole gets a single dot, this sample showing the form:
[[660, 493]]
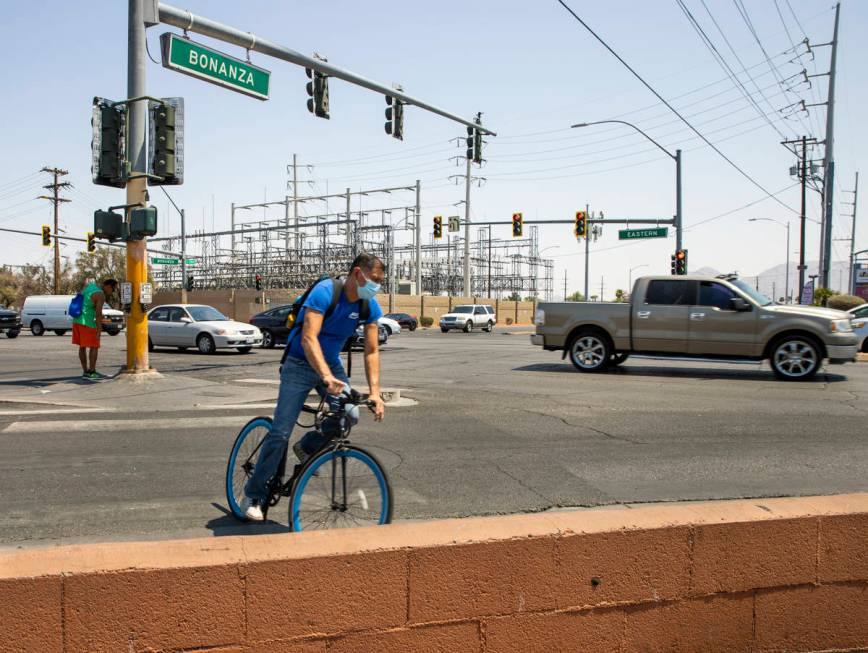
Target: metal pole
[[787, 275], [829, 182], [286, 224], [391, 268], [418, 237], [489, 261], [232, 227], [678, 236], [137, 267], [852, 279], [803, 217], [587, 250], [295, 204], [565, 285], [56, 227], [467, 288], [183, 260]]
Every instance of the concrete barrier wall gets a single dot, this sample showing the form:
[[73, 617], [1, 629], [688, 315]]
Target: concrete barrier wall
[[760, 575], [242, 304]]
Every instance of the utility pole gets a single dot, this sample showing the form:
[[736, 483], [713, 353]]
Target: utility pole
[[829, 162], [467, 181], [851, 282], [183, 259], [587, 249], [602, 281], [802, 173], [489, 261], [137, 192], [565, 284], [57, 201]]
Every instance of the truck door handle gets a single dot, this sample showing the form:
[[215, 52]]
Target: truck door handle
[[697, 316], [643, 315]]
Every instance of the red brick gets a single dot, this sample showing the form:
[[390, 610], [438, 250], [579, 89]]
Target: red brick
[[454, 638], [629, 566], [844, 548], [330, 594], [812, 618], [747, 555], [30, 615], [720, 624], [594, 631], [177, 608], [269, 647], [466, 581]]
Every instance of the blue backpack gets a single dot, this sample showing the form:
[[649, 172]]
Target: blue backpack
[[76, 306]]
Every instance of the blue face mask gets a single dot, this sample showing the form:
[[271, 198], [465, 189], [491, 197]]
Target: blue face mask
[[369, 290]]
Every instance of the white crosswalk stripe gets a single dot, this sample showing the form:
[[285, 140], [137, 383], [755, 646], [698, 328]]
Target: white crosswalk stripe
[[167, 423]]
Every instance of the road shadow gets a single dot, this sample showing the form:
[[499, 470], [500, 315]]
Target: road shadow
[[227, 524], [746, 373]]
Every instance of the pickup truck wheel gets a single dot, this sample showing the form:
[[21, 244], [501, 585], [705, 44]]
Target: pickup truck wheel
[[590, 352], [468, 326], [490, 326], [60, 332], [12, 333], [444, 329], [617, 359], [795, 358]]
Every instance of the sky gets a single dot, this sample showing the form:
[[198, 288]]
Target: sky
[[532, 70]]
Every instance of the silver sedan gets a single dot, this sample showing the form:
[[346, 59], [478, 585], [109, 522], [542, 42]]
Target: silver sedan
[[196, 325]]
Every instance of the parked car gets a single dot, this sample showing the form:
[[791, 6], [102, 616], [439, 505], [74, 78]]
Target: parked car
[[42, 313], [197, 325], [720, 318], [859, 321], [393, 327], [469, 316], [406, 320], [357, 341], [272, 323], [10, 322]]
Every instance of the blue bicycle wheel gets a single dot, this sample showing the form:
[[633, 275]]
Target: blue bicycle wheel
[[345, 488], [242, 460]]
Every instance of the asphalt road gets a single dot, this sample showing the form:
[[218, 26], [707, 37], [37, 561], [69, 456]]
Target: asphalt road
[[500, 427]]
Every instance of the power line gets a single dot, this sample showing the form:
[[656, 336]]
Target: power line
[[674, 110]]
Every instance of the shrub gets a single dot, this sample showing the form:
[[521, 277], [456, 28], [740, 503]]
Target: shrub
[[508, 321], [426, 321], [844, 302]]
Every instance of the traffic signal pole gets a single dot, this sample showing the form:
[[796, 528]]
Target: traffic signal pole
[[137, 193], [467, 292], [678, 223]]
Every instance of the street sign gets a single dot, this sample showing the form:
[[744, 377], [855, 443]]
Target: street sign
[[185, 56], [630, 234], [165, 261], [454, 223], [191, 261]]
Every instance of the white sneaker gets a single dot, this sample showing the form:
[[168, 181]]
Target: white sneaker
[[252, 509]]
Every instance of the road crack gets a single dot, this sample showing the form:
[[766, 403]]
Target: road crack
[[611, 436]]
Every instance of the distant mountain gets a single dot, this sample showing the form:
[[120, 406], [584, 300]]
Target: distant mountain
[[772, 281], [706, 272]]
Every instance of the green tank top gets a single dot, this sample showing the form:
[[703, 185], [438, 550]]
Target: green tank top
[[88, 310]]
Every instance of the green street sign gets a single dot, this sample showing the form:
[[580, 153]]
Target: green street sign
[[191, 261], [165, 261], [194, 59], [630, 234]]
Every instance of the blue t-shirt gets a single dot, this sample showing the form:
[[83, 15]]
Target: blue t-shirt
[[339, 326]]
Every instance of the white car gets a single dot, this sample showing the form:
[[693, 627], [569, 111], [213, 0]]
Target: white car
[[859, 322], [392, 327], [467, 317], [200, 326], [42, 313]]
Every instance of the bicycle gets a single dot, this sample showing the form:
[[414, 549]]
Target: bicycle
[[339, 486]]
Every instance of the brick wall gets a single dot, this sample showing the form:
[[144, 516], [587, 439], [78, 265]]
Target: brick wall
[[752, 575]]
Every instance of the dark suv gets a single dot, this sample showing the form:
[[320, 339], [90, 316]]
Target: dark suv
[[272, 323], [406, 320], [10, 322]]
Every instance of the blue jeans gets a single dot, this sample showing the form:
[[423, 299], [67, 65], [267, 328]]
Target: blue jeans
[[297, 379]]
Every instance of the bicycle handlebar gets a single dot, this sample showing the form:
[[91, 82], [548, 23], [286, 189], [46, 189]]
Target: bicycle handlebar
[[351, 397]]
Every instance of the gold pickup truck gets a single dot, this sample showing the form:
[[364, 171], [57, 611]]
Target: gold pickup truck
[[697, 317]]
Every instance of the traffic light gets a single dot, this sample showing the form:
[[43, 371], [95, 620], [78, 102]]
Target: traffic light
[[189, 284], [580, 228], [477, 146], [91, 243], [395, 118], [258, 281], [166, 143], [471, 144], [108, 143], [46, 236], [681, 261], [673, 266], [318, 92], [517, 226], [438, 226]]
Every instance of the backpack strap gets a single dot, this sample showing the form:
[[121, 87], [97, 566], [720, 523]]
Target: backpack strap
[[337, 289]]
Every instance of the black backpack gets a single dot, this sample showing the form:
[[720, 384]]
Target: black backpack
[[294, 324]]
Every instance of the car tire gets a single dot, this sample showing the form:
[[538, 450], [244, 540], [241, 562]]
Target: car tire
[[12, 333], [590, 351], [618, 358], [150, 344], [244, 350], [468, 326], [36, 328], [268, 339], [490, 326], [412, 327], [205, 344], [112, 332], [388, 329], [795, 358], [444, 329], [60, 332]]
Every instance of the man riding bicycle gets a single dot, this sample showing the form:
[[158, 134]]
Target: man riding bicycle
[[312, 359]]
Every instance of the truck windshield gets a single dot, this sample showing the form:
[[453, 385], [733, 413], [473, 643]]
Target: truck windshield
[[753, 293], [462, 309]]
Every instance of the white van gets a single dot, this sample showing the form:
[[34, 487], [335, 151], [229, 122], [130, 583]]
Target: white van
[[43, 313]]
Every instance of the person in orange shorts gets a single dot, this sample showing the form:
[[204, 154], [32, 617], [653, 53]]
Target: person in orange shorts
[[87, 327]]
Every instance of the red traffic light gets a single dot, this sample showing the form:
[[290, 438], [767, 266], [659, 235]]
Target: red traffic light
[[681, 255]]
